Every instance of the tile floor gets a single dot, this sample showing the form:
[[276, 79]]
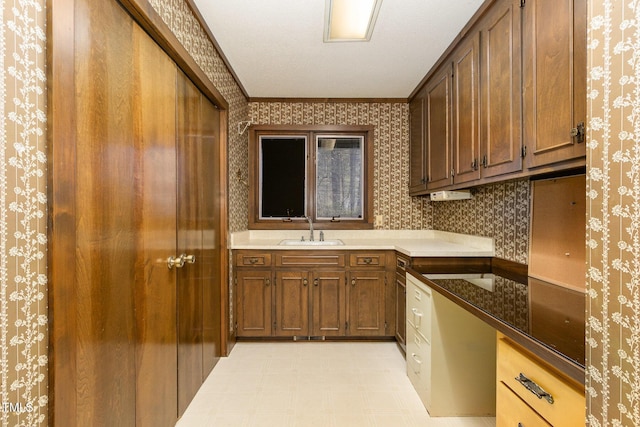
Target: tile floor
[[307, 384]]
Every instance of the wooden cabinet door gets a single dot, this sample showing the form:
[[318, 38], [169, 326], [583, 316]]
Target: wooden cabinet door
[[292, 303], [254, 303], [438, 128], [554, 71], [466, 110], [501, 90], [328, 304], [366, 296], [417, 146]]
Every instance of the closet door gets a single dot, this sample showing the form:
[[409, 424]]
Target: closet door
[[212, 212], [189, 238], [156, 336]]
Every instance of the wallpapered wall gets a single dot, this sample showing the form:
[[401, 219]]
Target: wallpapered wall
[[23, 303], [613, 359], [613, 214]]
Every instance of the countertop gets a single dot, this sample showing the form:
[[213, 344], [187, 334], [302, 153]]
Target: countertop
[[413, 243], [547, 319]]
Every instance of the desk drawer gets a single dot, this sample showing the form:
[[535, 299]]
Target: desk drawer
[[511, 411], [562, 402]]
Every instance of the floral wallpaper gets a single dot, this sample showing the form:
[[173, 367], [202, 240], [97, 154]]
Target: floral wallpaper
[[613, 214], [499, 210], [23, 302]]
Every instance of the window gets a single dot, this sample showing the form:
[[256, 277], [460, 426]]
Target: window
[[321, 172]]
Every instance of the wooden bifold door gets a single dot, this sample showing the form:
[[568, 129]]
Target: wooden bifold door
[[137, 179]]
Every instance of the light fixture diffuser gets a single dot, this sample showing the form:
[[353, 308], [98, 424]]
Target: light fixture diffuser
[[350, 20]]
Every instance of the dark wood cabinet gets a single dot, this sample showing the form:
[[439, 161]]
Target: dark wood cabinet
[[417, 147], [291, 306], [254, 302], [501, 103], [314, 293], [328, 303], [438, 128], [506, 100], [367, 303], [554, 71], [466, 111]]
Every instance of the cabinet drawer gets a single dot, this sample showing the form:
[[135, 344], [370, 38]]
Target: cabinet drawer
[[401, 265], [253, 259], [419, 365], [302, 259], [367, 260], [566, 404], [512, 411]]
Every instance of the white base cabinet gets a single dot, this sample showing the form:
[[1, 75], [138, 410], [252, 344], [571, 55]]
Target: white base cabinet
[[451, 355]]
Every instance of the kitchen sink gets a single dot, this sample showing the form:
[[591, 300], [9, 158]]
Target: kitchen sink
[[298, 242]]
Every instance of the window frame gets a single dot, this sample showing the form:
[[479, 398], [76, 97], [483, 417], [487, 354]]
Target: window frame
[[310, 132]]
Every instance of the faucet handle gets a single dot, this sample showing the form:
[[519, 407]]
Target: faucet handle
[[321, 236]]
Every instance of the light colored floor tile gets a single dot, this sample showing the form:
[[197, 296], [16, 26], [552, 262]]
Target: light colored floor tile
[[307, 384]]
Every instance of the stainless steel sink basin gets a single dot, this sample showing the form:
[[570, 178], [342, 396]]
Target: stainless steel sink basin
[[298, 242]]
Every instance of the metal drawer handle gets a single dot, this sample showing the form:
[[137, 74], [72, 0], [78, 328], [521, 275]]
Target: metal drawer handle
[[534, 388]]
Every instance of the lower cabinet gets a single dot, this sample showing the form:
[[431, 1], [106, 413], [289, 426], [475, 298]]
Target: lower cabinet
[[530, 392], [451, 355], [314, 294]]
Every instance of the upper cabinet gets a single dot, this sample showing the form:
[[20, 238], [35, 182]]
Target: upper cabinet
[[417, 148], [500, 34], [554, 79], [507, 101]]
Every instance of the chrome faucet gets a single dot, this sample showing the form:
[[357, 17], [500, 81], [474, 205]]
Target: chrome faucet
[[310, 228]]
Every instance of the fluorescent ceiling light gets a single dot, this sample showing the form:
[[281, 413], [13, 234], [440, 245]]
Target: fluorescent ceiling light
[[350, 20]]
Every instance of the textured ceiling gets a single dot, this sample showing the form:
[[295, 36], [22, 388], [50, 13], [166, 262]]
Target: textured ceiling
[[275, 47]]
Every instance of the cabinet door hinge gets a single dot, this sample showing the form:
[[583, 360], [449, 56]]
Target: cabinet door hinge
[[522, 2], [523, 152], [235, 280], [236, 326], [386, 325], [346, 326]]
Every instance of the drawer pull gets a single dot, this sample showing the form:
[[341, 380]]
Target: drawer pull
[[417, 317], [534, 388], [367, 260], [253, 261]]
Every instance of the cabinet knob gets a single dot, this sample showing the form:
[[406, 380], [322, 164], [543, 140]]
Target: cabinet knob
[[267, 282], [315, 282], [578, 132], [353, 282], [305, 282]]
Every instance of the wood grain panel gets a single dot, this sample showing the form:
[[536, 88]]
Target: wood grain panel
[[438, 129], [212, 236], [189, 237], [466, 110], [328, 303], [501, 89], [554, 52], [106, 222], [292, 303], [156, 335]]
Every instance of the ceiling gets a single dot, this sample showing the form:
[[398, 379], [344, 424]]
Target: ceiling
[[275, 47]]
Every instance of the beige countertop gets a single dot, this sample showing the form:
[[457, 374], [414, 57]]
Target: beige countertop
[[413, 243]]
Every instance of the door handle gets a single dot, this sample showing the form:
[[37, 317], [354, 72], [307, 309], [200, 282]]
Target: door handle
[[175, 262], [191, 259]]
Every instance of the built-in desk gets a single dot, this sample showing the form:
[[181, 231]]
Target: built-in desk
[[540, 339]]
